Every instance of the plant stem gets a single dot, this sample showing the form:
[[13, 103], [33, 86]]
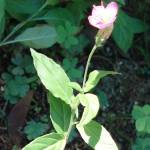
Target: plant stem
[[19, 26], [87, 64], [71, 124]]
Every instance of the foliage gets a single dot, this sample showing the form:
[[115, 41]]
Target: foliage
[[125, 29], [15, 87], [42, 36], [103, 99], [34, 129], [64, 108], [142, 123], [61, 24], [141, 144], [66, 35], [18, 78], [70, 66], [142, 118]]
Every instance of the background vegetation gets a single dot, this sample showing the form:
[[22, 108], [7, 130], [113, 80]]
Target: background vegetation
[[60, 29]]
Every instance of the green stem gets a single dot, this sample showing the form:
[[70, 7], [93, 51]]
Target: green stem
[[87, 65], [19, 26], [71, 124]]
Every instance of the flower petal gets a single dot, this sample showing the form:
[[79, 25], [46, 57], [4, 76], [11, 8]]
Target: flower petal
[[112, 8]]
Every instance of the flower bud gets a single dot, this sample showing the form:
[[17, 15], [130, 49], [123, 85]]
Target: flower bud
[[103, 35]]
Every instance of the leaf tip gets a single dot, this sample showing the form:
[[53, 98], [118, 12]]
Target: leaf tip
[[32, 50]]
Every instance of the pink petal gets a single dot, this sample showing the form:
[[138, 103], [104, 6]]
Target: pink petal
[[94, 22], [112, 8], [98, 11], [103, 17], [98, 24]]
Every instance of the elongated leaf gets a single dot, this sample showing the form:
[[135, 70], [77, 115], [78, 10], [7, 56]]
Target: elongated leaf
[[97, 136], [94, 77], [91, 103], [52, 76], [52, 141], [2, 16], [38, 37], [21, 9], [60, 114]]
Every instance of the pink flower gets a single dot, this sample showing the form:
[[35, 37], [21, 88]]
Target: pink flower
[[103, 17]]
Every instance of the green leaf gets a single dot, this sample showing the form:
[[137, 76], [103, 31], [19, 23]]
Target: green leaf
[[38, 37], [147, 126], [136, 25], [94, 77], [124, 30], [141, 116], [78, 9], [60, 114], [76, 86], [17, 71], [15, 88], [21, 9], [35, 129], [70, 66], [66, 35], [52, 76], [122, 34], [52, 141], [103, 99], [140, 124], [97, 136], [91, 103], [2, 17]]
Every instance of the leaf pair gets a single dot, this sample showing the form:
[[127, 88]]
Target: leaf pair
[[57, 82], [92, 132]]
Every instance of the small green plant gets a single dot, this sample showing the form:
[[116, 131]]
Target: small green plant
[[18, 78], [142, 118], [141, 115], [34, 129], [64, 104]]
